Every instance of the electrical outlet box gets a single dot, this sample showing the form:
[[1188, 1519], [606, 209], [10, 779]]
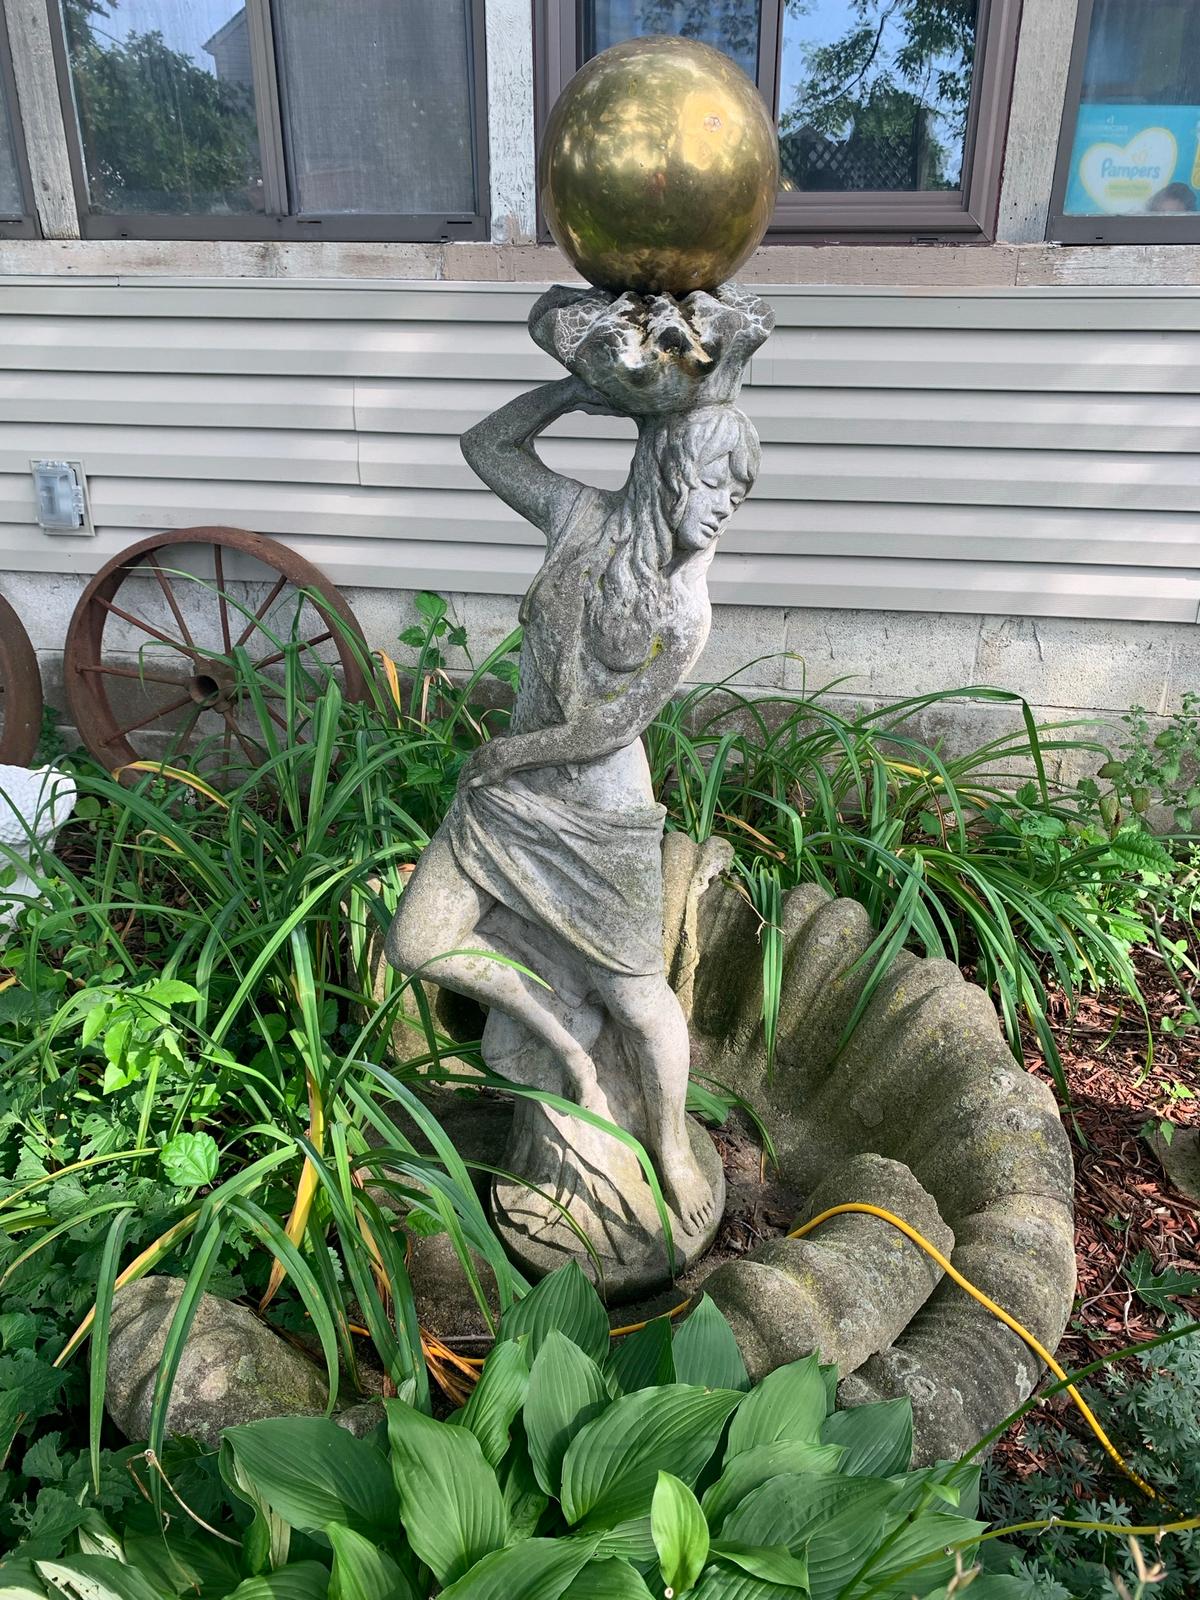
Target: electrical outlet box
[[60, 490]]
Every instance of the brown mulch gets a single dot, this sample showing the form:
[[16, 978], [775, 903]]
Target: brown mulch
[[1124, 1202]]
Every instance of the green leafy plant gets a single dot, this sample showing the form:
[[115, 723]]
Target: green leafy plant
[[565, 1475], [1161, 768], [1153, 1407]]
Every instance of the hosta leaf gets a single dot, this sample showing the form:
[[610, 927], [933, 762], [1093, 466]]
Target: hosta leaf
[[612, 1465], [751, 1469], [774, 1563], [310, 1473], [93, 1578], [706, 1351], [537, 1569], [680, 1533], [631, 1541], [608, 1579], [788, 1404], [450, 1502], [496, 1399], [643, 1360], [927, 1537], [302, 1580], [523, 1496], [566, 1391], [877, 1438], [362, 1571], [564, 1300]]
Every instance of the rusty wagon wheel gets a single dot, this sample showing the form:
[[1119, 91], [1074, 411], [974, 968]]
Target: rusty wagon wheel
[[168, 639], [20, 691]]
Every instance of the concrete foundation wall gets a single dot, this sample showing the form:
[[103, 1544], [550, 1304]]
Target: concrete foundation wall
[[1066, 668]]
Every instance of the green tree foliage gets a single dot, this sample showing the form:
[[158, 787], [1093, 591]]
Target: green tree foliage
[[160, 133], [877, 88]]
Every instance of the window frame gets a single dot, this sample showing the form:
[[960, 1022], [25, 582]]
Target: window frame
[[25, 226], [864, 216], [1069, 229], [275, 222]]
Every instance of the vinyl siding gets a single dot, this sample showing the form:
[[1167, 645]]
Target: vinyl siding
[[1025, 452]]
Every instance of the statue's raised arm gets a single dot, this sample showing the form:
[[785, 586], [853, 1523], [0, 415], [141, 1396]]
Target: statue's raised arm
[[500, 450]]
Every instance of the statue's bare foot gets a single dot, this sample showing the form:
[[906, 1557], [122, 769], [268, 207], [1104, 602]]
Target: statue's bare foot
[[687, 1190]]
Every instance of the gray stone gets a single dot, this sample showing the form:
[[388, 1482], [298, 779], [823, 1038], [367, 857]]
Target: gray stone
[[847, 1289], [233, 1368], [540, 898], [1180, 1158]]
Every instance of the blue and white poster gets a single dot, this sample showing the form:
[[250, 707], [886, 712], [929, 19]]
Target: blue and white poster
[[1133, 160]]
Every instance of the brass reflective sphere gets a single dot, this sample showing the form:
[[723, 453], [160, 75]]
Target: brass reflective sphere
[[659, 167]]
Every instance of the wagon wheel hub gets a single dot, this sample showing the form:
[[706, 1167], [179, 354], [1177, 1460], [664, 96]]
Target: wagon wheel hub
[[214, 687]]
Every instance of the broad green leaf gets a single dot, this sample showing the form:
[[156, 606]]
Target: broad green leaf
[[987, 1586], [362, 1571], [190, 1159], [564, 1300], [799, 1511], [496, 1399], [923, 1540], [630, 1541], [706, 1351], [612, 1465], [680, 1533], [171, 991], [523, 1496], [537, 1569], [302, 1580], [450, 1502], [608, 1579], [643, 1360], [566, 1391], [1157, 1289], [830, 1376], [723, 1582], [789, 1403], [310, 1472], [751, 1469], [93, 1578], [877, 1438], [430, 605], [774, 1563]]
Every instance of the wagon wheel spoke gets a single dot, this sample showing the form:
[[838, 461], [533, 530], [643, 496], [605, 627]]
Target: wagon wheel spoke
[[232, 730], [130, 672], [305, 644], [258, 616], [180, 739], [169, 594], [157, 714], [222, 602], [146, 627]]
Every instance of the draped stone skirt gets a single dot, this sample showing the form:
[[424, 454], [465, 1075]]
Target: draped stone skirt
[[589, 876]]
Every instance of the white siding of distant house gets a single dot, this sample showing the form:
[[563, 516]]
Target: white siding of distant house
[[1021, 452]]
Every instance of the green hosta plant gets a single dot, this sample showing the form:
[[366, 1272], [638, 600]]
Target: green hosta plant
[[579, 1468]]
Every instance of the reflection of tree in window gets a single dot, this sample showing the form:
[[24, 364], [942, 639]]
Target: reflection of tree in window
[[160, 133], [880, 103], [730, 25]]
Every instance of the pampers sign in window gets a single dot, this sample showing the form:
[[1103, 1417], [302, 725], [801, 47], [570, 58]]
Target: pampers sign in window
[[1133, 160]]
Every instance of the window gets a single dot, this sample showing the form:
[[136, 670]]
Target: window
[[15, 209], [890, 115], [338, 119], [1129, 155]]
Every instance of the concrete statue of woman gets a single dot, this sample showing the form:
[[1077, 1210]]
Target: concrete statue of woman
[[550, 856]]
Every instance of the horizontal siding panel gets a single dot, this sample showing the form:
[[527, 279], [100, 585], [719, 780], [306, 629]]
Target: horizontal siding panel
[[833, 472], [1031, 452], [1089, 311], [154, 399], [1005, 419], [763, 527], [218, 453], [885, 584]]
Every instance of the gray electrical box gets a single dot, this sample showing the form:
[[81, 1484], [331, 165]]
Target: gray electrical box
[[60, 490]]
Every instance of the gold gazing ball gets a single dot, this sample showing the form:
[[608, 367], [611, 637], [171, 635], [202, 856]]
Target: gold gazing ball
[[659, 167]]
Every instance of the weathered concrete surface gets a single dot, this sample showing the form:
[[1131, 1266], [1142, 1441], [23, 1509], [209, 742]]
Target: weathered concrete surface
[[233, 1369], [847, 1289], [926, 1081], [1180, 1160]]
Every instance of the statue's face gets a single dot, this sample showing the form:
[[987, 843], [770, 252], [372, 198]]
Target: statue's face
[[709, 506]]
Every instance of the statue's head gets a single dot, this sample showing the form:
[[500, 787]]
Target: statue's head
[[698, 466]]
